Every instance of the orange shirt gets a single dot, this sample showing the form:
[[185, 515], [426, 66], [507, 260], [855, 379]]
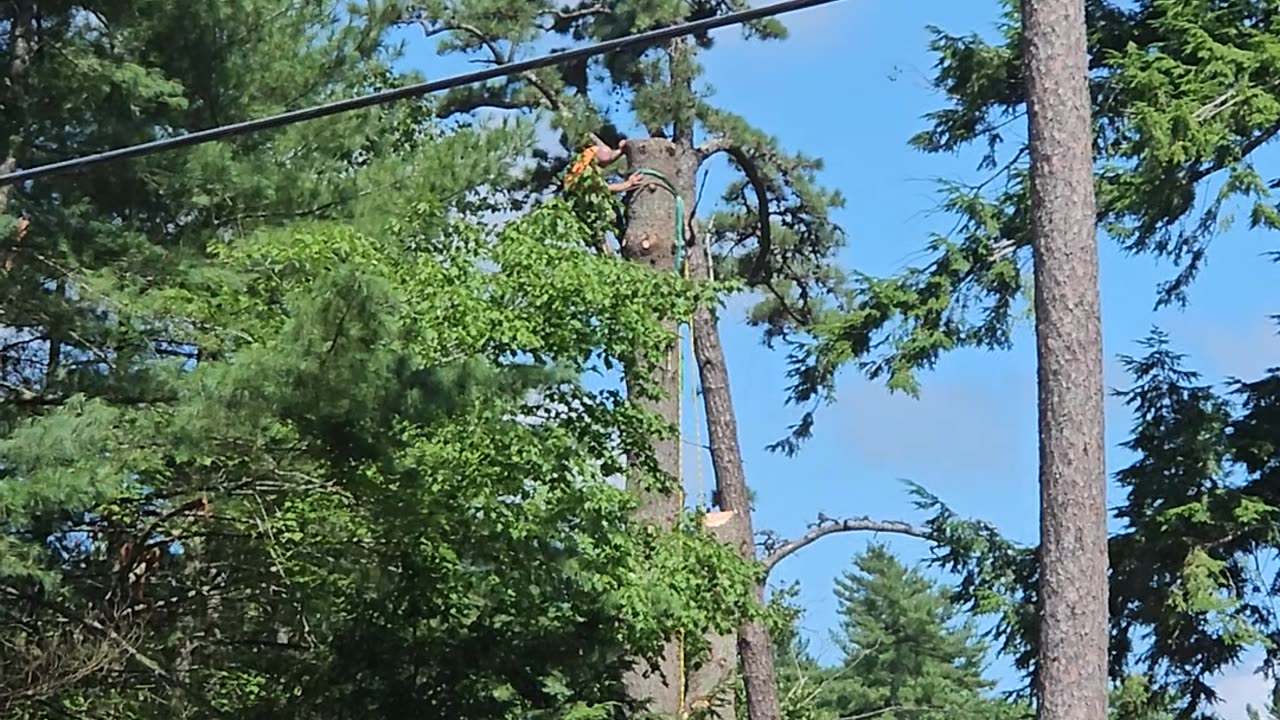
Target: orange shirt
[[580, 166]]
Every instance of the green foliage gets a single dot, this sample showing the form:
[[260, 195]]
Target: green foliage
[[285, 431], [1134, 699], [907, 651], [772, 231], [1191, 589], [800, 679], [437, 538], [1183, 103]]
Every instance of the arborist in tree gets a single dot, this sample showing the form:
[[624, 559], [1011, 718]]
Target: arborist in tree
[[591, 163], [585, 182], [586, 177]]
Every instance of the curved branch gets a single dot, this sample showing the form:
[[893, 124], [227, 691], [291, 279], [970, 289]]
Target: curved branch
[[828, 526], [760, 269], [499, 57]]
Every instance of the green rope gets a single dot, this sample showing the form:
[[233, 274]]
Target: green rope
[[671, 188], [680, 370]]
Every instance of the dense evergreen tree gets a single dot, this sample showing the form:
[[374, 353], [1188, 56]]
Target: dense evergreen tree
[[285, 433], [1184, 106], [909, 654]]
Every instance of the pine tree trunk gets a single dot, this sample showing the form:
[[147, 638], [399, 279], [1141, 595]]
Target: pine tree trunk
[[755, 649], [1072, 665], [650, 240], [22, 47], [711, 687]]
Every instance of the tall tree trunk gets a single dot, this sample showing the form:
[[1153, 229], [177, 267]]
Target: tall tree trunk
[[1072, 665], [755, 650], [22, 47], [650, 240]]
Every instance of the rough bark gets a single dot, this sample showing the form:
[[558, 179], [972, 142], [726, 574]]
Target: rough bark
[[1072, 663], [755, 650], [22, 47], [650, 240], [710, 685]]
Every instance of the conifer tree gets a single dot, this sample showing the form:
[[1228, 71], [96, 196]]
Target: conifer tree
[[1184, 107], [772, 233], [264, 449], [909, 652]]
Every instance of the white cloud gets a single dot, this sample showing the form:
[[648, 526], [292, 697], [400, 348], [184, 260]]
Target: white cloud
[[1241, 349], [1238, 691]]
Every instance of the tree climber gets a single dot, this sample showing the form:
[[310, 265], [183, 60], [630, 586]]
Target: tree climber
[[586, 185]]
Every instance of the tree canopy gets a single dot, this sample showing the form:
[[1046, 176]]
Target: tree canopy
[[305, 424]]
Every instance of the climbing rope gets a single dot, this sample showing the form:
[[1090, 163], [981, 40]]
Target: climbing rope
[[682, 268], [679, 234], [584, 165], [680, 368]]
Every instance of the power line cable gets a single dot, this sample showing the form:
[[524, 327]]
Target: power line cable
[[409, 91]]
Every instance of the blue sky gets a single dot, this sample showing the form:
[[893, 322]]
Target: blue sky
[[850, 86]]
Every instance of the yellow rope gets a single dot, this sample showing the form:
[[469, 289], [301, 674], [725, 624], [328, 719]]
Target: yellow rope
[[680, 679]]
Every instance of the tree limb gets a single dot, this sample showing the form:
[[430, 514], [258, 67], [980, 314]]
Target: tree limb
[[579, 12], [828, 526], [431, 30], [567, 16], [713, 146], [750, 168], [97, 627], [891, 708], [498, 56]]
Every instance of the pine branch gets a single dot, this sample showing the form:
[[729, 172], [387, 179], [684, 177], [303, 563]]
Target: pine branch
[[498, 57], [764, 249], [565, 16]]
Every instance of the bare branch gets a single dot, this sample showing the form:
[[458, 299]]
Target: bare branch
[[889, 709], [431, 30], [499, 57], [128, 648], [828, 526]]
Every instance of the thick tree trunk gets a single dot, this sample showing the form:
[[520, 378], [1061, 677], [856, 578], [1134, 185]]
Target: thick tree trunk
[[711, 688], [650, 240], [755, 649], [1072, 667]]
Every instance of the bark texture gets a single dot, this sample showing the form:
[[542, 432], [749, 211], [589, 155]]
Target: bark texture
[[755, 650], [710, 686], [22, 47], [650, 240], [1072, 667]]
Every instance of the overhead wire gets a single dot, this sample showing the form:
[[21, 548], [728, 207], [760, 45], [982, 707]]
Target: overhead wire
[[410, 91], [427, 88]]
